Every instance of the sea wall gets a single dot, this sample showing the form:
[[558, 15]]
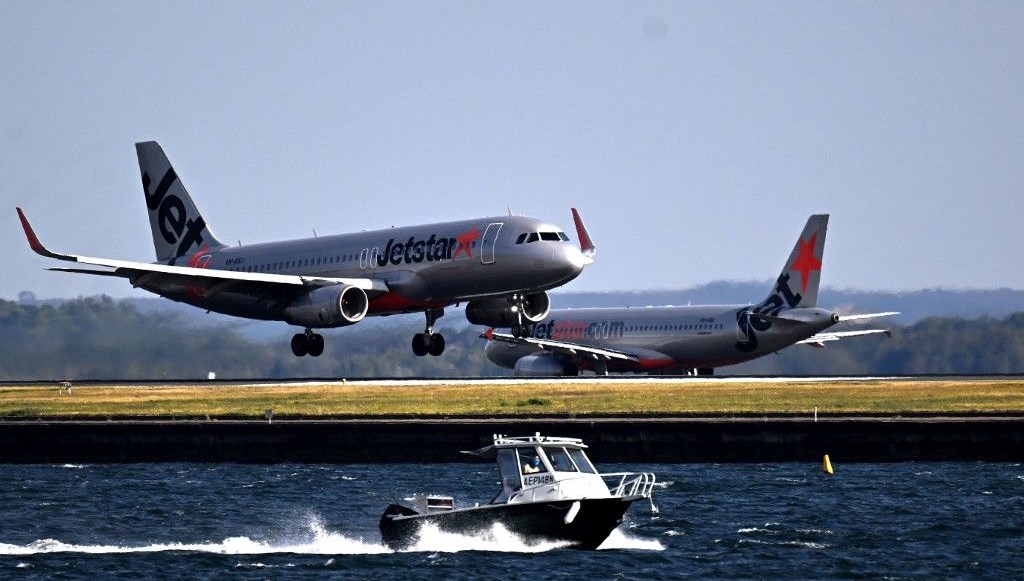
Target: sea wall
[[853, 439]]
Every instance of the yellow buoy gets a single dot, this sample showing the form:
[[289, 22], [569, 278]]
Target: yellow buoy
[[826, 465]]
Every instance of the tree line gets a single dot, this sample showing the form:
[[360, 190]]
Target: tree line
[[101, 338]]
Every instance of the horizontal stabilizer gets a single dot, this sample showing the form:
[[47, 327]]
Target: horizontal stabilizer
[[866, 316], [820, 339]]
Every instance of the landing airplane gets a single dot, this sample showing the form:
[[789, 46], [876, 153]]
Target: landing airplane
[[501, 266], [694, 338]]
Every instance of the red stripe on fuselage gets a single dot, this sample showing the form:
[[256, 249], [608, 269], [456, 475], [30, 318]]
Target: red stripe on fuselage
[[396, 303]]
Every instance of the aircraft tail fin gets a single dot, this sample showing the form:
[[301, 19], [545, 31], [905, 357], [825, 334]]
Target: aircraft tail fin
[[178, 227], [797, 285]]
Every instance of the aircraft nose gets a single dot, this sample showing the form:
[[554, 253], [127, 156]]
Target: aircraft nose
[[573, 259]]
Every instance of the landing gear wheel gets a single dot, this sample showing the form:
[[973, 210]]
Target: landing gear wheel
[[428, 341], [299, 347], [315, 344], [436, 346], [419, 345], [517, 331]]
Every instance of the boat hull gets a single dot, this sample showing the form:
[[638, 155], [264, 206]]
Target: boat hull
[[534, 522]]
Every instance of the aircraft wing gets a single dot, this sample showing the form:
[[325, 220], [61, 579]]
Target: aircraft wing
[[820, 339], [199, 276], [561, 347]]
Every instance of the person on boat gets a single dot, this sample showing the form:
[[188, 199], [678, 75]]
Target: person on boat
[[533, 466]]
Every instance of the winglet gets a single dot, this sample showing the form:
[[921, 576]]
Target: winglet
[[489, 334], [586, 244], [33, 240]]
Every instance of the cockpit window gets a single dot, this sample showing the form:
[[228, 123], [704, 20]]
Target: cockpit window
[[563, 236], [549, 236], [522, 238], [532, 238]]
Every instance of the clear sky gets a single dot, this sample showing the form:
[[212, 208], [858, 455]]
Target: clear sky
[[695, 137]]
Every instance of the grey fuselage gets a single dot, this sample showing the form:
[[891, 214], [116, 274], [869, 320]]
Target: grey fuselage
[[671, 337], [425, 267]]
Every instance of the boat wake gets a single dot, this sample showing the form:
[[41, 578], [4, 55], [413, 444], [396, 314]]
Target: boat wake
[[619, 540], [320, 542], [500, 539], [496, 539]]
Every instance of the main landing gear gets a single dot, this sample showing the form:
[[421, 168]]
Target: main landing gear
[[428, 341], [308, 343]]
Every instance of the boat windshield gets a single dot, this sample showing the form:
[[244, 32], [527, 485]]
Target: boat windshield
[[560, 461], [581, 460]]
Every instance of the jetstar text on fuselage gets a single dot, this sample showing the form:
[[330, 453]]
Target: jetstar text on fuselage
[[565, 330], [414, 250]]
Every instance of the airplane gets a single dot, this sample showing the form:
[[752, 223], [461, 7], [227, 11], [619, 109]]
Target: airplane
[[694, 339], [502, 267]]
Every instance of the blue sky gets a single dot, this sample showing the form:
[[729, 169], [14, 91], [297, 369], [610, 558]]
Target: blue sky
[[695, 137]]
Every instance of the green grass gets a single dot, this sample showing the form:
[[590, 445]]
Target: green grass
[[517, 399]]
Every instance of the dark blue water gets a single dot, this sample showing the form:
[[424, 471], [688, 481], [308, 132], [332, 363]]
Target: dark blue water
[[898, 521]]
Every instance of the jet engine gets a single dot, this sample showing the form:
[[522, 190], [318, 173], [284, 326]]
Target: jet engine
[[328, 306], [504, 311], [544, 365]]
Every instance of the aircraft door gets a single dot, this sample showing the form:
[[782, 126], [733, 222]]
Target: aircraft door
[[490, 238]]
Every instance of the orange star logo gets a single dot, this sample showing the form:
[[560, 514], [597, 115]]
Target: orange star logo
[[806, 261], [466, 240]]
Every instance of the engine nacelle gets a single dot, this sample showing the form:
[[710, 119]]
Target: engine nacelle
[[544, 365], [328, 306], [501, 312]]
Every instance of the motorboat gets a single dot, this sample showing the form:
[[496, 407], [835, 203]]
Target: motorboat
[[550, 491]]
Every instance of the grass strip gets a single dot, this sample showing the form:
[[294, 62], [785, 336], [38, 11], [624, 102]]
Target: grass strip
[[510, 400]]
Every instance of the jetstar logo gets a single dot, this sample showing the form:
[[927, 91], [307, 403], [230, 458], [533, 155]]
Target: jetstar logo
[[173, 221], [749, 325], [466, 240], [783, 296], [568, 330], [805, 261], [432, 249]]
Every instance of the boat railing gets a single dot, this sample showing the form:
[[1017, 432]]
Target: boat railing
[[630, 483]]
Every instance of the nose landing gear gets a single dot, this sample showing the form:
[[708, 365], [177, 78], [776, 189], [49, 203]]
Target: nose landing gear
[[308, 343]]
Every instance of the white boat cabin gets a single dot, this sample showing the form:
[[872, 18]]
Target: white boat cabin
[[543, 468]]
